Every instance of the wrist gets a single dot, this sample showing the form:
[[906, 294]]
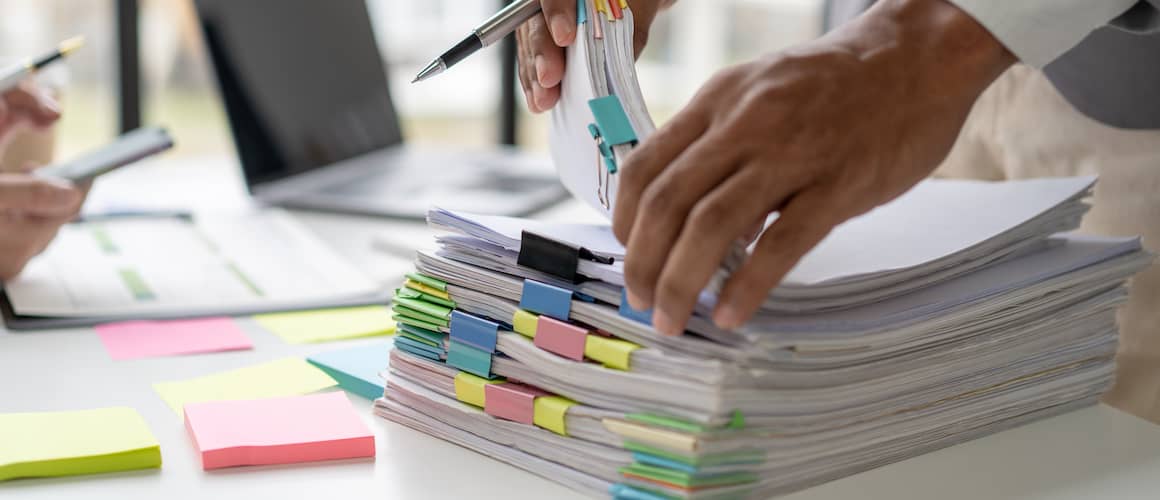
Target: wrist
[[957, 53]]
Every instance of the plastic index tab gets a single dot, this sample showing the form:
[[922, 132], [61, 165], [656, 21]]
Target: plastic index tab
[[612, 120], [546, 299], [627, 311], [476, 332]]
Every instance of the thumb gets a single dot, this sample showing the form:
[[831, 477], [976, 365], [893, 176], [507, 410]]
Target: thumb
[[38, 195]]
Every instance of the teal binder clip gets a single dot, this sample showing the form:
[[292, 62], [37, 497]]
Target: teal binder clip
[[612, 128], [469, 359]]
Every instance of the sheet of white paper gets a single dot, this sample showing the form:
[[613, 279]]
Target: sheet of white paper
[[595, 237], [935, 219], [574, 151], [162, 266]]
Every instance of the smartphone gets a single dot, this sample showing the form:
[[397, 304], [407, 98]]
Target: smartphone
[[128, 148]]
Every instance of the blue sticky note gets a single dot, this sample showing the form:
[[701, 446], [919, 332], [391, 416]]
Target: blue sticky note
[[357, 368]]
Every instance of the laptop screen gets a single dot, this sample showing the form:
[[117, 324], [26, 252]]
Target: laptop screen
[[303, 82]]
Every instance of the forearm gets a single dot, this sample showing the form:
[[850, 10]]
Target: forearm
[[936, 40]]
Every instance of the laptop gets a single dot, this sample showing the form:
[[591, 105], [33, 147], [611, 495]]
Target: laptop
[[306, 94]]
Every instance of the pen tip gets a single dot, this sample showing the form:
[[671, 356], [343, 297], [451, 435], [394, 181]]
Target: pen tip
[[431, 70], [72, 44]]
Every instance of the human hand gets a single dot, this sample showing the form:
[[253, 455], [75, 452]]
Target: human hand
[[819, 133], [26, 105], [541, 41], [32, 209]]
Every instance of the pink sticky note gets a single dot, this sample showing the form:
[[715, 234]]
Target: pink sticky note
[[278, 430], [145, 339], [562, 338], [512, 401]]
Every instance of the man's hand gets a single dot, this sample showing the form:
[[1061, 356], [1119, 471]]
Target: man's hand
[[819, 133], [32, 209], [26, 105], [542, 39]]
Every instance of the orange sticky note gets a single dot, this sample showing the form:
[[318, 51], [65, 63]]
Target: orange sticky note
[[278, 430]]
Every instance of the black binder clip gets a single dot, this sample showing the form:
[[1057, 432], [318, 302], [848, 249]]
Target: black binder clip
[[555, 257]]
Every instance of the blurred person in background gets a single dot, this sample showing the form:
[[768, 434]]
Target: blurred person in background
[[32, 208], [895, 91]]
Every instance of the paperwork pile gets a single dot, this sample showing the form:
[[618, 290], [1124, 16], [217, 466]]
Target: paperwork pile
[[956, 311]]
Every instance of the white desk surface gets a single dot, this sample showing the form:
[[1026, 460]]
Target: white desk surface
[[1092, 453]]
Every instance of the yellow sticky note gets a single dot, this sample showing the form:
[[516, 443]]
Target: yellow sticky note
[[550, 412], [301, 327], [284, 377], [613, 353], [470, 388], [430, 290], [524, 323], [75, 442]]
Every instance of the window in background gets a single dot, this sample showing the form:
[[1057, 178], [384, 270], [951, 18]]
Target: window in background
[[86, 83], [178, 88]]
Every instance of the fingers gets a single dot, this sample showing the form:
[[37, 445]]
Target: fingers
[[664, 209], [541, 62], [648, 160], [715, 224], [39, 196], [803, 223], [561, 19], [29, 102], [21, 239]]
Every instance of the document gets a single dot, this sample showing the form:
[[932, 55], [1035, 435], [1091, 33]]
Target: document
[[164, 267]]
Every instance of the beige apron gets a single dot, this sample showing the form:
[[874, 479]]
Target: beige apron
[[1020, 128]]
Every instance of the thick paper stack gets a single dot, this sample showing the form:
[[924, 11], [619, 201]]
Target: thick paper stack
[[954, 312]]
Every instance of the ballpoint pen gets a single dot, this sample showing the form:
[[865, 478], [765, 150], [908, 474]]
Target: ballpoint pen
[[493, 30], [13, 75]]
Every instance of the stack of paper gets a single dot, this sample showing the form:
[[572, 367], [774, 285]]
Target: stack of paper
[[954, 312]]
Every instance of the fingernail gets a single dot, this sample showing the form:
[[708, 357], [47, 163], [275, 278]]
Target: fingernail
[[665, 324], [562, 29], [727, 317], [539, 64], [541, 97]]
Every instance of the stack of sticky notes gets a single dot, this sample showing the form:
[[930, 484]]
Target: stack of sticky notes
[[75, 442], [278, 430], [147, 339], [357, 369], [302, 327], [283, 377]]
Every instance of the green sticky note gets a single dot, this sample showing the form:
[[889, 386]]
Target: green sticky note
[[407, 320], [284, 377], [69, 443], [424, 307], [670, 422], [301, 327], [429, 281]]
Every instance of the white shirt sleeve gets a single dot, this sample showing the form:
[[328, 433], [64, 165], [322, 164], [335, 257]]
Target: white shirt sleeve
[[1039, 31]]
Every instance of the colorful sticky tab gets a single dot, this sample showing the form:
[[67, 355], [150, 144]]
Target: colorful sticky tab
[[406, 320], [357, 369], [546, 299], [470, 389], [512, 401], [429, 281], [284, 377], [278, 430], [627, 311], [409, 346], [147, 339], [469, 359], [562, 338], [611, 352], [474, 331], [620, 491], [525, 323], [427, 308], [429, 292], [416, 315], [325, 325], [71, 443], [551, 413]]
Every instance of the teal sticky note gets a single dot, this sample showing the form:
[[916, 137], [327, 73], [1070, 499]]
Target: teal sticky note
[[357, 368]]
